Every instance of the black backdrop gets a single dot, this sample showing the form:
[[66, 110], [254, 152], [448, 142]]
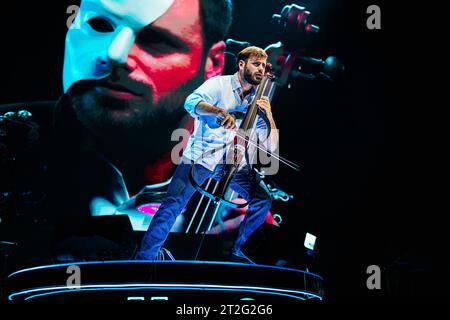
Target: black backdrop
[[354, 190]]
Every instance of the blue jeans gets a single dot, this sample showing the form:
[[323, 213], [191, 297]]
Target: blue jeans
[[181, 190]]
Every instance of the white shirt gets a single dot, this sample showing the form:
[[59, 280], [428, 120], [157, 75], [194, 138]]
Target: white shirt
[[207, 143]]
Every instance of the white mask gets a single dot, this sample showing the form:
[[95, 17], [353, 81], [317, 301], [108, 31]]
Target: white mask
[[89, 53]]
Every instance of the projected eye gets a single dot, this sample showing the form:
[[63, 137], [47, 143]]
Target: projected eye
[[100, 25], [157, 41]]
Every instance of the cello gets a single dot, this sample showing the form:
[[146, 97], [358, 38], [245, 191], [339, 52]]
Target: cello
[[288, 61]]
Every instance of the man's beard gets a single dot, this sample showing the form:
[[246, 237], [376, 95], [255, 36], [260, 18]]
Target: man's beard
[[128, 122], [248, 77]]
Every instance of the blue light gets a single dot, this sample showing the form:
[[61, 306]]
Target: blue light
[[135, 298], [160, 298], [81, 263], [264, 290]]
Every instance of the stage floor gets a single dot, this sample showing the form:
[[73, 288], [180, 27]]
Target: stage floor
[[163, 281]]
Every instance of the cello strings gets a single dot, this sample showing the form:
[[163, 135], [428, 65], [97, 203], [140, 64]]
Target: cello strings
[[287, 162], [283, 160]]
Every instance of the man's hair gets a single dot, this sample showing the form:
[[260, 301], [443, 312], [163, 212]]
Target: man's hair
[[216, 18], [251, 52]]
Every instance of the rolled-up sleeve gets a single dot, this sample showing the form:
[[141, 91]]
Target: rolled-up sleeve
[[262, 131], [208, 92]]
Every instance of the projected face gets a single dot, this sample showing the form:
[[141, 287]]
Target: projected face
[[253, 70], [130, 64]]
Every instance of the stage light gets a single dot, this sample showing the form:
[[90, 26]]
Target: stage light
[[159, 298], [310, 241]]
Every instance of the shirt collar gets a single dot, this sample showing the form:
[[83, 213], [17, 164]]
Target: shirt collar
[[236, 85]]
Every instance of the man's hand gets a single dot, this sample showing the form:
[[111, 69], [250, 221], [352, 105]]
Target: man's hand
[[226, 120], [264, 104]]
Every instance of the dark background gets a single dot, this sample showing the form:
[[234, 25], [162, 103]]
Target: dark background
[[356, 191]]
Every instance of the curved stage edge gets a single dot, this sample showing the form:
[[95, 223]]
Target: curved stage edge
[[173, 281]]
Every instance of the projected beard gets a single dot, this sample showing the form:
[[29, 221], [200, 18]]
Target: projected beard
[[130, 121]]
